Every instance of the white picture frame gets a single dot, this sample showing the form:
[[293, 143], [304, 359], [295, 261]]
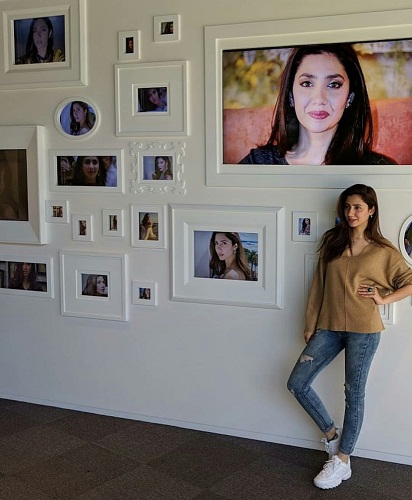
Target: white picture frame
[[82, 227], [43, 275], [113, 222], [63, 117], [129, 52], [153, 235], [405, 238], [75, 267], [30, 141], [57, 211], [191, 227], [16, 20], [389, 25], [143, 166], [166, 28], [144, 293], [57, 178], [133, 82], [304, 226]]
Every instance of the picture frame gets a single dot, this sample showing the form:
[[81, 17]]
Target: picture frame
[[69, 113], [79, 294], [151, 99], [39, 277], [82, 227], [129, 45], [222, 128], [144, 293], [57, 211], [259, 230], [113, 222], [65, 174], [166, 28], [22, 156], [148, 226], [304, 226], [405, 240], [65, 63], [152, 177]]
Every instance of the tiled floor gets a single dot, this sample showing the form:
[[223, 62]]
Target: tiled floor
[[50, 453]]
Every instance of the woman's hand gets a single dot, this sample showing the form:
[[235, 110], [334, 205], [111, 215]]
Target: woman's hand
[[307, 334], [371, 292]]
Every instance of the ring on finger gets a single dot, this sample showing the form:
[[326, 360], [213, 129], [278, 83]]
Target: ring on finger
[[370, 289]]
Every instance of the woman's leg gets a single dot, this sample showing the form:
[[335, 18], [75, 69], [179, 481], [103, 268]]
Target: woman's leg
[[359, 352], [322, 348]]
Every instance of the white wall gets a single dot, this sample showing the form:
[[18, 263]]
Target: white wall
[[211, 367]]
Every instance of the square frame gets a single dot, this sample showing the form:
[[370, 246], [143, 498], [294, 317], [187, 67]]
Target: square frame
[[82, 227], [123, 38], [57, 211], [113, 222], [73, 265], [389, 25], [46, 276], [33, 231], [129, 78], [166, 28], [266, 223], [161, 232], [70, 72], [141, 300], [139, 151], [302, 231]]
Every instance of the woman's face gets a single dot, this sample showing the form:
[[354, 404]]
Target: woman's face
[[320, 92], [357, 212], [161, 164], [153, 96], [100, 286], [90, 169], [40, 34], [224, 247], [79, 113], [26, 267]]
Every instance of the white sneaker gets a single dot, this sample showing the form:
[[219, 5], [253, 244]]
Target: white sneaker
[[333, 473], [332, 447]]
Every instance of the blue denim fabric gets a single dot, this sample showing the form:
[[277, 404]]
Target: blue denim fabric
[[322, 348]]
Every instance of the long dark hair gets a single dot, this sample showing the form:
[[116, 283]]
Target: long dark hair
[[354, 135], [18, 277], [336, 240], [31, 49], [79, 179], [89, 121], [218, 267]]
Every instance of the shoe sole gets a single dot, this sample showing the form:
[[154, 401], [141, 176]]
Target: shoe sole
[[325, 485]]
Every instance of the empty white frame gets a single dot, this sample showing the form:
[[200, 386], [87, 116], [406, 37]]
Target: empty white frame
[[192, 229], [149, 228]]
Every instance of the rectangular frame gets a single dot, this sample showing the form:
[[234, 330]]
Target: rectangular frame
[[137, 297], [57, 211], [73, 303], [304, 234], [267, 223], [82, 224], [166, 28], [390, 25], [70, 72], [74, 153], [123, 37], [130, 78], [113, 222], [161, 211], [49, 278], [33, 231]]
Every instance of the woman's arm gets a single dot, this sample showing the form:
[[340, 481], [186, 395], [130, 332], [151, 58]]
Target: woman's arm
[[399, 294]]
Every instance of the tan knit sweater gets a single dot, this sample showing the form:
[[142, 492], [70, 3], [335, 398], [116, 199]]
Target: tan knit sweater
[[334, 303]]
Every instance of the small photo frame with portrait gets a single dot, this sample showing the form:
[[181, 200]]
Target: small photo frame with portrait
[[166, 28], [113, 224], [305, 226], [148, 226], [76, 118], [82, 227], [129, 45], [57, 211], [144, 293]]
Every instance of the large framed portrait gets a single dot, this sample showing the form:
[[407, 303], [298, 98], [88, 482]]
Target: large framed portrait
[[43, 45], [228, 255], [32, 278], [22, 209], [244, 65]]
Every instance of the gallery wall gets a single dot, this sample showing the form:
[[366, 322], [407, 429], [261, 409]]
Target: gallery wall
[[194, 355]]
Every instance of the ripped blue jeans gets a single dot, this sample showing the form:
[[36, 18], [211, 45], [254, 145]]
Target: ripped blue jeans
[[323, 347]]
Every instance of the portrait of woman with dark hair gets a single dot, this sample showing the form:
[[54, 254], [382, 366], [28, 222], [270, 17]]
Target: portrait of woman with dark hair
[[82, 118], [24, 277], [228, 258], [96, 285], [152, 99], [89, 171], [40, 44], [163, 168], [9, 209]]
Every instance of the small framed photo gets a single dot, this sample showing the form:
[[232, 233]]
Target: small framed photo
[[148, 226], [151, 99], [93, 285], [144, 293], [113, 224], [33, 277], [76, 118], [166, 28], [305, 226], [57, 211], [82, 227], [129, 45]]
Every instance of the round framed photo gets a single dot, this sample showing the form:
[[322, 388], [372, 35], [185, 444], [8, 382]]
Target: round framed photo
[[405, 239], [76, 118]]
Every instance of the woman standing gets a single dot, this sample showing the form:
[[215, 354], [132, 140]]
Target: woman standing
[[358, 270]]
